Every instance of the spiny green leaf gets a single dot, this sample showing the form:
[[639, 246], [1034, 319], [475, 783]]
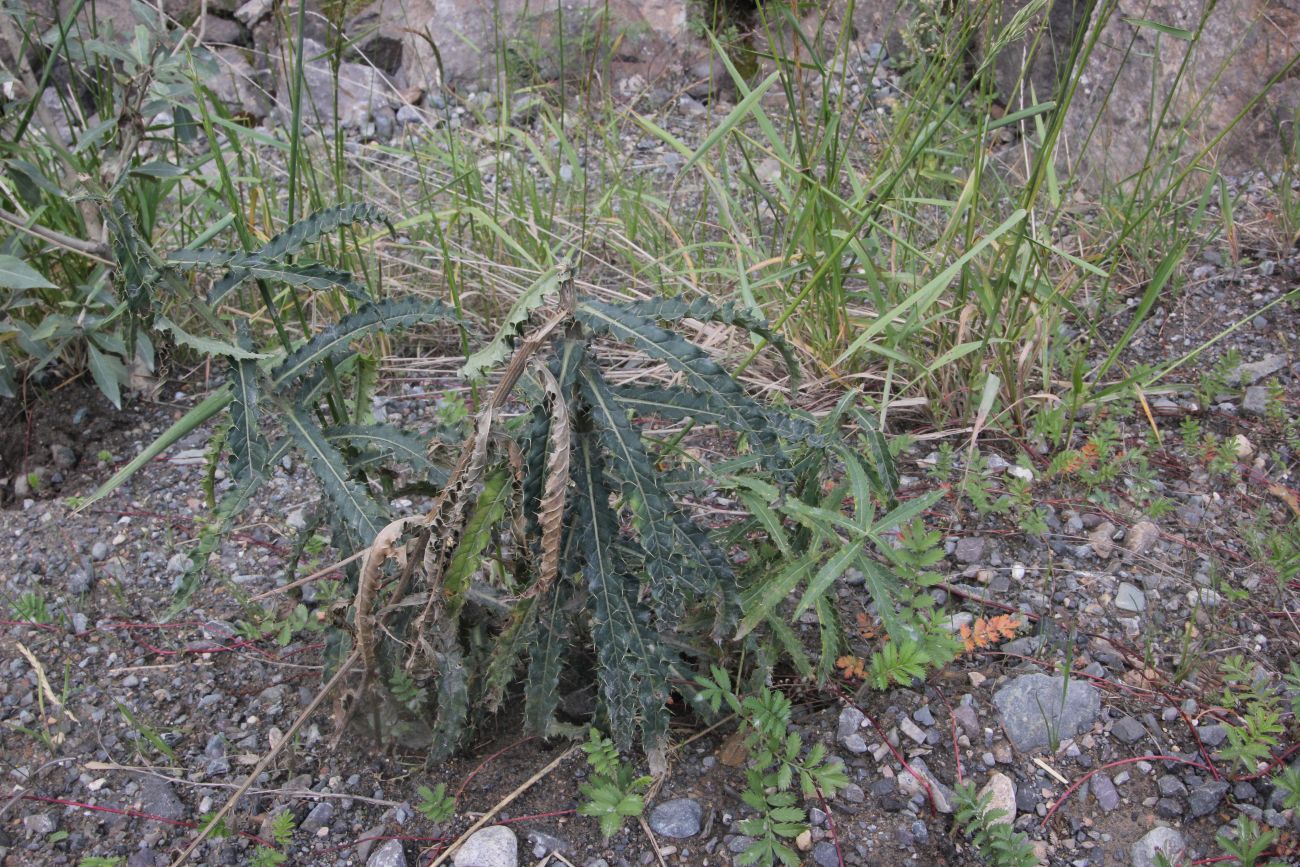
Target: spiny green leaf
[[309, 229], [498, 348], [453, 700], [297, 236], [335, 341], [474, 539], [671, 573], [205, 346], [392, 443], [706, 310], [670, 404], [246, 439], [702, 374], [357, 512], [632, 662]]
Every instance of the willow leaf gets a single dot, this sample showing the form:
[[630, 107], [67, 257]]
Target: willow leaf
[[790, 643], [357, 512], [826, 576], [832, 638], [246, 440], [335, 341], [877, 453], [906, 512]]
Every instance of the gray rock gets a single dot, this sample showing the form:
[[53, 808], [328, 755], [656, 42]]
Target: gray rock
[[1101, 539], [912, 788], [389, 855], [824, 855], [1104, 791], [1255, 402], [1130, 598], [1032, 711], [853, 794], [1164, 840], [158, 798], [40, 824], [847, 731], [319, 817], [923, 715], [1253, 371], [408, 114], [886, 791], [63, 457], [1205, 797], [1141, 537], [1169, 808], [970, 549], [678, 819], [968, 719], [496, 846], [739, 843], [545, 844], [144, 857], [99, 550], [1128, 730], [1170, 786], [1001, 792], [1211, 735], [215, 752]]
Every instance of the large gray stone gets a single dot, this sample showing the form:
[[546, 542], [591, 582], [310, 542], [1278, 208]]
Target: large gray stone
[[496, 846], [1135, 70], [1036, 710], [1164, 840], [1001, 791], [388, 855], [678, 819], [362, 90], [470, 34]]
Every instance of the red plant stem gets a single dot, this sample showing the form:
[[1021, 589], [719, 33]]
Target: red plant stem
[[134, 814], [1079, 782], [830, 824], [1200, 746], [952, 720], [1286, 754]]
